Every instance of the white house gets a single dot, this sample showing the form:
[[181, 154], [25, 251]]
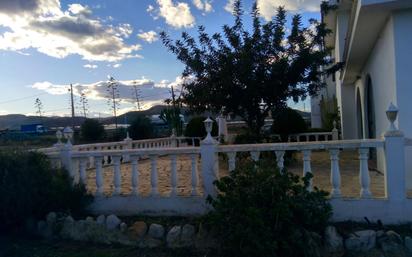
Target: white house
[[374, 40]]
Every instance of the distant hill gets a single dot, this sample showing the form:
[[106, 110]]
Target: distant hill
[[14, 121]]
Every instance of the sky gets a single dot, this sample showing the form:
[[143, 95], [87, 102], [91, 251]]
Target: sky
[[46, 45]]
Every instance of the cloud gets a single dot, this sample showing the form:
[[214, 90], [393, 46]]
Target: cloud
[[176, 15], [229, 6], [90, 66], [149, 36], [117, 65], [267, 8], [150, 93], [204, 5], [43, 25]]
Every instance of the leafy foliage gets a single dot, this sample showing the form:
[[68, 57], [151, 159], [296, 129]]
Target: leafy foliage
[[92, 130], [30, 188], [330, 112], [262, 212], [249, 73], [287, 121], [141, 128], [171, 116]]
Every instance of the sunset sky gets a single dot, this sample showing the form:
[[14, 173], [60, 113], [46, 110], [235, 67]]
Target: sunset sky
[[47, 44]]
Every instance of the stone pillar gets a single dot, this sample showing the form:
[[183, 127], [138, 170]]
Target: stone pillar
[[208, 160]]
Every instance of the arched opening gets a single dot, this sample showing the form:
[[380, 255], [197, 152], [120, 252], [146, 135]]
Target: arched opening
[[370, 110], [359, 114]]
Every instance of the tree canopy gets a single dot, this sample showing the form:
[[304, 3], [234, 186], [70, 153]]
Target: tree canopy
[[250, 73]]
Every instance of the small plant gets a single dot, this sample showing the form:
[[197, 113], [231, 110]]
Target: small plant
[[141, 128], [260, 211], [92, 130], [30, 188]]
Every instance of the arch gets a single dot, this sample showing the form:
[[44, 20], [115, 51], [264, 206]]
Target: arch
[[359, 114]]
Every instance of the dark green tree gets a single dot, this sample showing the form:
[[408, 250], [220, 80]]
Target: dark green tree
[[92, 130], [141, 128], [249, 73]]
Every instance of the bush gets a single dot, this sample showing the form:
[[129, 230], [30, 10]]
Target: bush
[[141, 128], [196, 128], [30, 188], [262, 212], [92, 130], [286, 122]]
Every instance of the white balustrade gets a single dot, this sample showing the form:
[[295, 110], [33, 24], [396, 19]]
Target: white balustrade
[[335, 173], [99, 175], [364, 179], [255, 155], [82, 170], [153, 175], [279, 159], [116, 174], [194, 174], [307, 167], [135, 174], [231, 161]]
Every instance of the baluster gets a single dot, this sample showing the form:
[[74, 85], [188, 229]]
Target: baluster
[[232, 161], [153, 175], [99, 175], [307, 138], [279, 159], [135, 174], [316, 137], [335, 173], [91, 162], [82, 168], [194, 174], [255, 155], [116, 174], [307, 167], [364, 178], [173, 162], [193, 141]]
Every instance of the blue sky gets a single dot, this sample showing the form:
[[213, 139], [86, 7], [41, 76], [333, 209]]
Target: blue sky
[[47, 44]]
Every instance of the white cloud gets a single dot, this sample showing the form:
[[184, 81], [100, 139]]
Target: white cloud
[[204, 5], [43, 25], [117, 65], [151, 93], [267, 8], [149, 36], [229, 6], [90, 66], [177, 14]]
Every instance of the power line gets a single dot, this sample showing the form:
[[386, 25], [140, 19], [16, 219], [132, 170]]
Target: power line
[[22, 98]]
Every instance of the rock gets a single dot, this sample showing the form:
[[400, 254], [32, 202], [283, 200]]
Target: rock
[[333, 241], [89, 219], [123, 227], [156, 231], [361, 241], [51, 219], [112, 222], [173, 237], [408, 244], [101, 220], [188, 235], [137, 230], [391, 244], [149, 242], [42, 229]]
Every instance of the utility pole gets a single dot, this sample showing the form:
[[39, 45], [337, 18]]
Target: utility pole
[[72, 104]]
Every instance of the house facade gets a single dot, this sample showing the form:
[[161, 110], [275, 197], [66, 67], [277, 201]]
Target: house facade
[[373, 38]]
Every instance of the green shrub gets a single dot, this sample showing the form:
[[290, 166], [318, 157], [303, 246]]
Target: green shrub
[[262, 212], [30, 188], [196, 128], [92, 130], [286, 122], [141, 128]]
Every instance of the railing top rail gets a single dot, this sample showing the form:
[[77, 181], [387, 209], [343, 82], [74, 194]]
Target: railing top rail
[[138, 152], [362, 143], [99, 144], [311, 134]]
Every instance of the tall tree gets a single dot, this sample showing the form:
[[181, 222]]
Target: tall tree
[[250, 73], [113, 97], [39, 108]]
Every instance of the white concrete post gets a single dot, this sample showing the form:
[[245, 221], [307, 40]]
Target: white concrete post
[[208, 160], [279, 159], [394, 159], [82, 169], [173, 138], [364, 178], [335, 132], [255, 155], [117, 177], [66, 159], [135, 174], [231, 160], [128, 145], [307, 167], [335, 173], [222, 128]]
